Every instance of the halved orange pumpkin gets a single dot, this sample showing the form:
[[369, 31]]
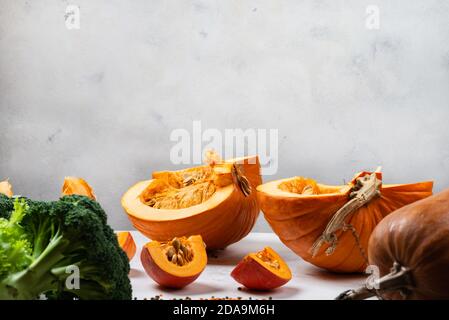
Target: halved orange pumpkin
[[6, 188], [217, 201], [126, 242], [329, 226], [263, 270], [175, 263]]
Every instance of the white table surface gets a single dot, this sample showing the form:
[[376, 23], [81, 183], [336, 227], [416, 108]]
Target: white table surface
[[308, 282]]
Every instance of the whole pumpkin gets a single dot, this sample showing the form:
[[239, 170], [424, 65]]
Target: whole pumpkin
[[415, 238], [329, 226]]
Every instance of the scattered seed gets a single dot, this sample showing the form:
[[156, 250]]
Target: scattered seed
[[174, 259]]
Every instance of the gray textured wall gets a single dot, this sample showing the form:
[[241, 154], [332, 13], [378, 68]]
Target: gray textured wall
[[100, 102]]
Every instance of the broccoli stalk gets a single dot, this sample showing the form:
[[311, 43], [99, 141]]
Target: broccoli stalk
[[66, 235]]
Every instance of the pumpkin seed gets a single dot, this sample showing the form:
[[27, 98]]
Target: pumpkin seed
[[176, 243], [180, 260], [170, 252], [185, 251], [174, 259]]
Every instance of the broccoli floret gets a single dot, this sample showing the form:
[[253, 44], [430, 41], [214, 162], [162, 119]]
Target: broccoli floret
[[65, 236], [6, 206]]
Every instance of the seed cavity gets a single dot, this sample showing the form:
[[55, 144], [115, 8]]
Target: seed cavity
[[179, 252], [267, 258]]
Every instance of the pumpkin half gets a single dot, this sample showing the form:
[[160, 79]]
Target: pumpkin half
[[217, 201], [329, 226]]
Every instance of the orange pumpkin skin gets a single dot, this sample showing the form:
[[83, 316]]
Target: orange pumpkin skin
[[221, 225], [126, 242], [251, 273], [171, 276], [417, 237], [300, 220]]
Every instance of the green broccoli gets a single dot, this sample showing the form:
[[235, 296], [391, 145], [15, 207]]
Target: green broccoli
[[6, 206], [43, 243]]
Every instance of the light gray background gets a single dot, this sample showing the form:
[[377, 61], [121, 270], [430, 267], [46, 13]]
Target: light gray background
[[100, 102]]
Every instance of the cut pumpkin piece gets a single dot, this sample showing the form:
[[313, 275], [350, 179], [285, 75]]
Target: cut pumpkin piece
[[126, 242], [79, 186], [329, 226], [6, 188], [264, 270], [175, 263], [216, 200]]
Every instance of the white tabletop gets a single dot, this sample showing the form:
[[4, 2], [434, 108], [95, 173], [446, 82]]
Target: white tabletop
[[308, 282]]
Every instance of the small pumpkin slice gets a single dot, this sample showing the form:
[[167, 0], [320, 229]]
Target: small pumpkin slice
[[79, 186], [264, 270], [6, 188], [126, 242], [176, 263]]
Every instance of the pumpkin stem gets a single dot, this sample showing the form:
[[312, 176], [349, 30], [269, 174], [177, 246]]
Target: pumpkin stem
[[364, 190], [399, 279], [240, 180]]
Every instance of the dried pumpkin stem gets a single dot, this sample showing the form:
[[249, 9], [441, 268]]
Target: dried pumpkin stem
[[365, 189], [399, 279], [241, 180]]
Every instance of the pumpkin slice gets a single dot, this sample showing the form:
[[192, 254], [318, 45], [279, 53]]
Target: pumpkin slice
[[264, 270], [6, 188], [79, 186], [329, 226], [176, 263], [126, 242], [216, 200]]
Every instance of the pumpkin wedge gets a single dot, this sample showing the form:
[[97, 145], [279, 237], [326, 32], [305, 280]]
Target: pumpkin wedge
[[217, 201], [175, 263], [329, 226], [79, 186], [126, 242], [6, 188], [263, 270]]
